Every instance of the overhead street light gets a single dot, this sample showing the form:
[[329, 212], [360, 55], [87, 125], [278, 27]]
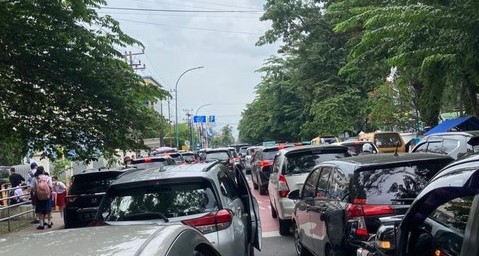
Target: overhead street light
[[176, 103]]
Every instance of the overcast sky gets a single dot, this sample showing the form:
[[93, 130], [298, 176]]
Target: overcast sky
[[224, 43]]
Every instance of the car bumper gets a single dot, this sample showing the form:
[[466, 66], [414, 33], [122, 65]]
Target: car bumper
[[79, 217], [285, 208]]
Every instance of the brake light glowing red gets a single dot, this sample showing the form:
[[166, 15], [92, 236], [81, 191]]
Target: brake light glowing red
[[371, 210], [283, 187], [211, 222], [359, 211], [147, 160], [264, 163]]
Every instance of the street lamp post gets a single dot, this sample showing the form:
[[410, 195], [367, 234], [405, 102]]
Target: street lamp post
[[196, 114], [176, 103]]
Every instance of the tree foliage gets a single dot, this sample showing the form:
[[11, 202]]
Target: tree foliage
[[335, 56], [64, 83]]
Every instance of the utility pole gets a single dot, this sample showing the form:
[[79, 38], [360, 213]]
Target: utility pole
[[189, 119], [129, 59]]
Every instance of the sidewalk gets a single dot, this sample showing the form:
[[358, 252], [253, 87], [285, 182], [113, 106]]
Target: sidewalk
[[32, 228]]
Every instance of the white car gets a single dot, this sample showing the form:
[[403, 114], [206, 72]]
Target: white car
[[206, 196], [291, 166], [118, 240]]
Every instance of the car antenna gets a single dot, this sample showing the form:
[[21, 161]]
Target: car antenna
[[397, 147]]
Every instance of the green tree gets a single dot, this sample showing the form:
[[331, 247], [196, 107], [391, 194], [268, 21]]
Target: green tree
[[63, 82]]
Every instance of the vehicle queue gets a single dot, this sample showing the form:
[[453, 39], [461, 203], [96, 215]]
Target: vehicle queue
[[342, 198]]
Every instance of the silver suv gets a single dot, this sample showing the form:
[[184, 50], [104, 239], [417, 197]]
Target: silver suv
[[454, 144], [290, 168], [206, 196]]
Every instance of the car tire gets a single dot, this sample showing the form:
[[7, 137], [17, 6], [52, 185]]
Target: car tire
[[274, 213], [255, 185], [300, 250], [284, 226]]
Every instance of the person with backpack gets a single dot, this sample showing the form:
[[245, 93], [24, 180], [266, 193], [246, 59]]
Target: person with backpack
[[42, 191]]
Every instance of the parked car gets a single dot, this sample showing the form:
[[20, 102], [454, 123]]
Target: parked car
[[443, 220], [161, 239], [237, 164], [84, 195], [291, 166], [177, 157], [206, 196], [454, 144], [356, 147], [261, 166], [248, 159], [362, 188], [149, 162], [386, 142], [237, 146], [221, 154]]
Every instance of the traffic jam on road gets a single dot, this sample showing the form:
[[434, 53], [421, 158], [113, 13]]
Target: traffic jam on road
[[283, 199]]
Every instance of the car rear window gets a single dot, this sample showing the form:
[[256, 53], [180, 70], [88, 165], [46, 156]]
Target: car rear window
[[220, 155], [387, 140], [91, 183], [155, 163], [169, 199], [270, 154], [356, 148], [393, 185], [304, 162]]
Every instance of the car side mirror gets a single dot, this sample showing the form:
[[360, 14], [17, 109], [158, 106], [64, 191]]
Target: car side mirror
[[294, 195], [350, 230], [386, 238]]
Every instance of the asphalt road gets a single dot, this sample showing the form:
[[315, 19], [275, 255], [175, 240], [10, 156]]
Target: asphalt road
[[273, 243]]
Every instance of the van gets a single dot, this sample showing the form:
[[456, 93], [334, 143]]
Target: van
[[386, 142]]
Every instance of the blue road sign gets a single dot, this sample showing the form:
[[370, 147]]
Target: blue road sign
[[211, 119], [199, 119]]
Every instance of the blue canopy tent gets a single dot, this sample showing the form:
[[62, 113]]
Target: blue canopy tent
[[464, 123]]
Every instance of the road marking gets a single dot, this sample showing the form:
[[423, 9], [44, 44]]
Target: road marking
[[271, 234]]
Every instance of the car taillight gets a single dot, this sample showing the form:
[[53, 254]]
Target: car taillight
[[71, 199], [211, 222], [283, 187], [358, 212], [264, 163]]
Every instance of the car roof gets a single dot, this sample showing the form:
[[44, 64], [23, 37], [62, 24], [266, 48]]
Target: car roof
[[199, 170], [373, 160], [313, 147], [463, 133]]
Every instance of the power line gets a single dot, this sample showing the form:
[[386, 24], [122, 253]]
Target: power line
[[183, 15], [177, 10], [194, 28]]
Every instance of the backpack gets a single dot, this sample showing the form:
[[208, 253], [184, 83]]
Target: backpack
[[43, 190]]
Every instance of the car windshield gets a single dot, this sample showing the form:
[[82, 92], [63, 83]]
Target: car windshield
[[219, 155], [304, 162], [387, 140], [92, 183], [154, 200], [393, 185]]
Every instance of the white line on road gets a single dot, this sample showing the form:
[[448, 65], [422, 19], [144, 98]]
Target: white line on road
[[271, 234]]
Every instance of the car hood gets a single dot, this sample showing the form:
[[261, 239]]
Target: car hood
[[104, 240]]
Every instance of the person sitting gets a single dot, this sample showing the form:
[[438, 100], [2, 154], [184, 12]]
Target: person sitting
[[366, 149]]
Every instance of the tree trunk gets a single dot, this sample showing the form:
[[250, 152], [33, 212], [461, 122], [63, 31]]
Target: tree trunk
[[471, 94]]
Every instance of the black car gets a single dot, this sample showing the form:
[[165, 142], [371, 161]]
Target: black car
[[443, 220], [84, 195], [361, 188]]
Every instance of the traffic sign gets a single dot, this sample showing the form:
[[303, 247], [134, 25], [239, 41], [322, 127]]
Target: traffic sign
[[211, 119], [199, 119]]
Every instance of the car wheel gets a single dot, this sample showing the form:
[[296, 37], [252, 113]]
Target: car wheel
[[297, 243], [329, 251], [284, 226], [274, 214], [255, 185]]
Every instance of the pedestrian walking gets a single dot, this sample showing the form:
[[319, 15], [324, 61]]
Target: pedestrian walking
[[30, 178], [61, 191], [42, 191]]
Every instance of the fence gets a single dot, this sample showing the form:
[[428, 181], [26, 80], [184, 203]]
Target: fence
[[13, 216]]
